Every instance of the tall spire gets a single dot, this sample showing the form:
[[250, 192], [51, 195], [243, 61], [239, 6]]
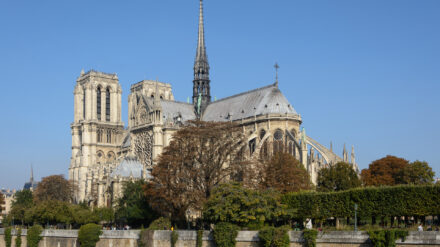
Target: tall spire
[[32, 174], [201, 68]]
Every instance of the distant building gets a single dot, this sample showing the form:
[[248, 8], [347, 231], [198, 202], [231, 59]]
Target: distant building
[[105, 153], [31, 185], [9, 197]]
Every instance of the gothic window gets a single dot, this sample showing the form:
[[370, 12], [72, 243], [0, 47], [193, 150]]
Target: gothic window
[[98, 103], [107, 105], [252, 145], [110, 156], [99, 135], [278, 141], [262, 134], [109, 136]]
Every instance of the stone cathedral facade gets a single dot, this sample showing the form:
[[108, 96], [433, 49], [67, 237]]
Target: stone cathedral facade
[[105, 153]]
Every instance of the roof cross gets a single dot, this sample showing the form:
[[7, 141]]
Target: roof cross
[[276, 66]]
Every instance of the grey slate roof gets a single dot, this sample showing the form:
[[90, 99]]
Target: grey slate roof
[[172, 109], [129, 166], [260, 101]]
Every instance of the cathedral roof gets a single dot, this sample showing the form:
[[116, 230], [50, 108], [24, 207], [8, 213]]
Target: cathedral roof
[[260, 101], [174, 109]]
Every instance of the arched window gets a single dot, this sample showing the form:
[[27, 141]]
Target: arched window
[[99, 135], [109, 136], [98, 103], [278, 141], [252, 145], [107, 105], [262, 134]]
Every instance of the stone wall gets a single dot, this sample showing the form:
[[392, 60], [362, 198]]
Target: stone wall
[[68, 238]]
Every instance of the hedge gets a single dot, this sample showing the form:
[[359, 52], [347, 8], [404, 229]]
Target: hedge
[[372, 202]]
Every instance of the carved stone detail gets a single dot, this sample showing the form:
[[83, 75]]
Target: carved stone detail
[[143, 148]]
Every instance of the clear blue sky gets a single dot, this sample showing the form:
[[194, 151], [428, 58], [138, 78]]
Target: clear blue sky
[[364, 73]]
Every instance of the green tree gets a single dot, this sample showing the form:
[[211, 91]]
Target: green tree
[[88, 235], [49, 212], [23, 200], [385, 171], [133, 207], [337, 177], [285, 173], [418, 172], [244, 207], [54, 187]]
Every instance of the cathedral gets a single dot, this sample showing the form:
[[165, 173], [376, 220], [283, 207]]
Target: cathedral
[[106, 153]]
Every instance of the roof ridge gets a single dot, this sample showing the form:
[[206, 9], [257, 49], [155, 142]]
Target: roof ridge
[[175, 101], [243, 93]]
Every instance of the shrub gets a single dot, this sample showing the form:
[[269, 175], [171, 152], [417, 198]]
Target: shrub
[[174, 238], [33, 235], [199, 238], [8, 237], [274, 237], [225, 234], [386, 238], [309, 236], [88, 235], [18, 238], [160, 224]]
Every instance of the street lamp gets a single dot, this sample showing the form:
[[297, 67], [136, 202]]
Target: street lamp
[[355, 217]]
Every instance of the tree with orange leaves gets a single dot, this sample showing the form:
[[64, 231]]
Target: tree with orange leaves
[[385, 171], [285, 173]]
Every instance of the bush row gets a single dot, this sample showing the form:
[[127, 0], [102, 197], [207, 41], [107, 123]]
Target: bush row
[[371, 201]]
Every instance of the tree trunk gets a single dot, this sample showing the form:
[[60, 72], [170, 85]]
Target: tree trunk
[[337, 223], [392, 221]]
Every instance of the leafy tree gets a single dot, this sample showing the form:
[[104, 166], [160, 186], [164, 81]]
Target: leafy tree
[[104, 214], [54, 187], [418, 172], [88, 235], [133, 206], [285, 173], [33, 235], [385, 171], [23, 200], [49, 212], [244, 207], [200, 156], [337, 177]]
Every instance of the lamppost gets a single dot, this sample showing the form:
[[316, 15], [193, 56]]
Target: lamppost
[[355, 217]]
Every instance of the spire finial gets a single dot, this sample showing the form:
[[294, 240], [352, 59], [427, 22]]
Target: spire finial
[[276, 66]]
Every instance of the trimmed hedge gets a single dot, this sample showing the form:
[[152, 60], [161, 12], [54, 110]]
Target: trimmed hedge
[[225, 234], [33, 235], [88, 235], [372, 202]]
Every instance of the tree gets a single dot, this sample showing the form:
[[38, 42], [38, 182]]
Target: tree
[[385, 171], [244, 207], [54, 187], [337, 177], [133, 206], [285, 173], [418, 172], [200, 156], [23, 200]]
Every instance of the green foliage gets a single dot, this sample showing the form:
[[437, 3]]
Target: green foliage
[[274, 237], [23, 200], [106, 215], [386, 238], [372, 201], [174, 238], [309, 236], [160, 224], [8, 237], [133, 206], [418, 172], [88, 235], [18, 238], [225, 234], [244, 207], [199, 238], [33, 235], [340, 176]]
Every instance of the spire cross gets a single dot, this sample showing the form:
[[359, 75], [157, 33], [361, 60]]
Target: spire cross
[[276, 66]]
